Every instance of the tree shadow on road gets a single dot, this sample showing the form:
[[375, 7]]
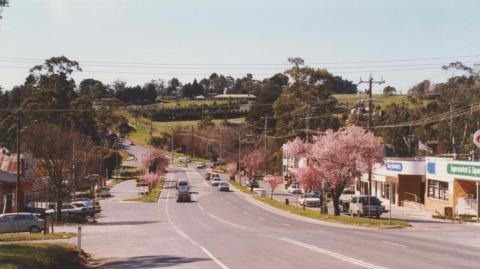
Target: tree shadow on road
[[150, 262]]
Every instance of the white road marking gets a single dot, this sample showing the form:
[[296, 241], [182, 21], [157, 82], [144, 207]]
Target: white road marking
[[185, 236], [333, 254], [394, 244], [260, 218], [245, 212], [235, 207], [222, 220], [285, 224]]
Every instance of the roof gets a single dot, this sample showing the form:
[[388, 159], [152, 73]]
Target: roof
[[200, 97], [235, 96]]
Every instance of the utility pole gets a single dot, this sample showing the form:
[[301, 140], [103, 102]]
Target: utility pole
[[151, 133], [307, 123], [370, 123], [191, 146], [17, 191], [172, 145], [265, 131], [221, 142]]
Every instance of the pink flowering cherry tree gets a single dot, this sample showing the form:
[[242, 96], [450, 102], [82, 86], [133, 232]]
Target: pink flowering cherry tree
[[339, 157], [273, 181], [154, 164], [253, 162], [231, 170]]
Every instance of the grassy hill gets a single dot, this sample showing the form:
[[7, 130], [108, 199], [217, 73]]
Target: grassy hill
[[380, 99], [142, 125]]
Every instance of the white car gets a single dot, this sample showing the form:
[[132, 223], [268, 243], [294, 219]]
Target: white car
[[216, 181], [295, 189], [310, 199]]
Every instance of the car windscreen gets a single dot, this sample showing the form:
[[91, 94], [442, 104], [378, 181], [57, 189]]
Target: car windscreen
[[373, 201], [182, 183]]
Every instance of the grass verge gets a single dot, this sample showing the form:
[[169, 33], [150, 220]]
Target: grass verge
[[152, 197], [315, 214], [34, 236], [40, 256], [128, 173]]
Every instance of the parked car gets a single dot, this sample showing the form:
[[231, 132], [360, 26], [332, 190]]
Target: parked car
[[359, 206], [201, 165], [345, 199], [89, 204], [184, 160], [70, 210], [216, 181], [21, 222], [310, 199], [207, 176], [223, 186], [103, 192], [253, 184], [295, 189]]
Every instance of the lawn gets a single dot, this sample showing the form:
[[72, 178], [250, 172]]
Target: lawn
[[152, 197], [12, 237], [379, 99], [130, 172], [40, 256], [315, 214]]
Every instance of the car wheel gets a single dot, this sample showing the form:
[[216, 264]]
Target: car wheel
[[34, 229]]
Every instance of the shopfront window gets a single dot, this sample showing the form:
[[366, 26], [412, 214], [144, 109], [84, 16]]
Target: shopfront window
[[438, 189]]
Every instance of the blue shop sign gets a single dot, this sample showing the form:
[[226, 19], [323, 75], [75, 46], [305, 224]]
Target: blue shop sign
[[394, 166], [431, 168]]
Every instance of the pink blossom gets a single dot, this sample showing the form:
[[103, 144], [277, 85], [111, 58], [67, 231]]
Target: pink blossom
[[294, 148], [274, 181], [231, 169], [308, 177]]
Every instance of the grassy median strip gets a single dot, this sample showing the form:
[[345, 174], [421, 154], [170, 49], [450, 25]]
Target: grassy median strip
[[315, 214], [152, 197], [12, 237], [40, 256]]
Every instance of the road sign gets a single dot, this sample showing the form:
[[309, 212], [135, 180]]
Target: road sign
[[476, 138]]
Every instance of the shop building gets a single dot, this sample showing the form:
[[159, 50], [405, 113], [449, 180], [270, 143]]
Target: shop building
[[398, 180], [452, 186]]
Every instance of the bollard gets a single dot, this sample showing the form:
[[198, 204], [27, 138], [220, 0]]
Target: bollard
[[287, 202], [79, 239]]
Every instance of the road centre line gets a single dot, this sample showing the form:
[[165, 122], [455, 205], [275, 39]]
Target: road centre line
[[185, 236], [394, 244], [221, 220], [333, 254]]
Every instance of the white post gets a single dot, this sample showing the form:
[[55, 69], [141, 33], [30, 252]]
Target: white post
[[79, 239], [390, 209], [478, 201]]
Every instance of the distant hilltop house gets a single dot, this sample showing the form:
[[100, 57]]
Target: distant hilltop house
[[235, 97], [200, 97]]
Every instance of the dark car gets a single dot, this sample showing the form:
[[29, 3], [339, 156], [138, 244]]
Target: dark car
[[253, 184], [207, 176], [184, 196]]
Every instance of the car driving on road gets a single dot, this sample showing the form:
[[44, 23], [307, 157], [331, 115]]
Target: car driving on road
[[223, 186], [201, 165], [216, 181], [207, 176]]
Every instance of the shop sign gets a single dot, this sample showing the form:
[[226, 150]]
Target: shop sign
[[394, 166], [464, 170], [431, 168]]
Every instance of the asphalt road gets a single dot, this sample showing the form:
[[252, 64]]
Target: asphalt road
[[227, 230], [235, 233]]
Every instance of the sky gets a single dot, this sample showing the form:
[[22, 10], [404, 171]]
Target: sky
[[403, 42]]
